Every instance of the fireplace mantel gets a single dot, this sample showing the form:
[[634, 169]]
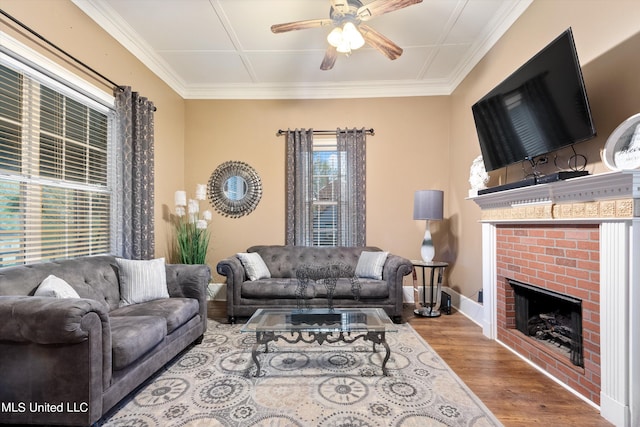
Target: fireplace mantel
[[612, 201], [590, 198]]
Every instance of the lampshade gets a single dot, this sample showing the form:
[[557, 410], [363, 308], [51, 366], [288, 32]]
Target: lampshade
[[428, 204], [346, 39]]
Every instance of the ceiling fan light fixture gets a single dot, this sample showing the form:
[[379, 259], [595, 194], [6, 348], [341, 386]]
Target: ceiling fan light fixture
[[346, 39], [344, 47], [335, 37], [352, 35]]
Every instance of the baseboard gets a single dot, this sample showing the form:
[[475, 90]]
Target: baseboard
[[217, 292], [468, 307]]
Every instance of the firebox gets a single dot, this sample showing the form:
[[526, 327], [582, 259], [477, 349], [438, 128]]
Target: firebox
[[550, 317]]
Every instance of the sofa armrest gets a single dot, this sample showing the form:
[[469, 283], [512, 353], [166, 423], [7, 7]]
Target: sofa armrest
[[54, 350], [43, 320], [190, 281], [395, 268], [235, 273]]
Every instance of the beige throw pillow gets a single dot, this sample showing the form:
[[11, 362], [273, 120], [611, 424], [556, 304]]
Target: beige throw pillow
[[141, 280], [55, 287], [370, 265], [254, 266]]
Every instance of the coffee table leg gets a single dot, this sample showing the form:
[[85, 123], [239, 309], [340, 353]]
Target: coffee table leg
[[254, 354], [386, 357]]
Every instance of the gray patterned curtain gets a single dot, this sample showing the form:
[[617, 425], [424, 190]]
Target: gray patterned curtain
[[350, 194], [299, 186], [134, 226], [352, 198]]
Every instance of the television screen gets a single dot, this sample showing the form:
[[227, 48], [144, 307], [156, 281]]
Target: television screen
[[540, 108]]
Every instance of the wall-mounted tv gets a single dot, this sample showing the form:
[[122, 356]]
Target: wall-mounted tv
[[540, 108]]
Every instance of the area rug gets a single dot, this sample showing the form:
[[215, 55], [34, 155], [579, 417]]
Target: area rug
[[213, 384]]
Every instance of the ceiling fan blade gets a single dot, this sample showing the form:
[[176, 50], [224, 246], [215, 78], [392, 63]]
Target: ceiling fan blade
[[380, 7], [300, 25], [330, 57], [380, 42], [340, 6]]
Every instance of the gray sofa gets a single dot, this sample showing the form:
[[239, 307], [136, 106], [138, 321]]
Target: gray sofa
[[245, 296], [69, 360]]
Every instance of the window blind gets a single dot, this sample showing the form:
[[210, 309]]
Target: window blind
[[55, 198], [328, 177]]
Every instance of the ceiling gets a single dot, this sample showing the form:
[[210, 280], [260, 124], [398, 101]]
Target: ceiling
[[224, 49]]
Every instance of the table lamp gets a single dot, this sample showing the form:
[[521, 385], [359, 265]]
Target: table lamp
[[428, 204]]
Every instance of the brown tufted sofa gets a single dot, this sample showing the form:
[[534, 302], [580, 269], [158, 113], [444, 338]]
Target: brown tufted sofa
[[68, 361], [244, 296]]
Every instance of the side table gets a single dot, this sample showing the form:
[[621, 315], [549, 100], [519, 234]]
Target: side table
[[432, 309]]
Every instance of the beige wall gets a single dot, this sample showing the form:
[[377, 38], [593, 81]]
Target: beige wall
[[598, 26], [408, 152], [61, 22], [420, 142]]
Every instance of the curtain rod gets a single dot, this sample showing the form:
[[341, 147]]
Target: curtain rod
[[325, 132], [68, 55]]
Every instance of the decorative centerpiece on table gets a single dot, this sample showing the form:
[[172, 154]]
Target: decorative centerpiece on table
[[328, 275], [192, 227]]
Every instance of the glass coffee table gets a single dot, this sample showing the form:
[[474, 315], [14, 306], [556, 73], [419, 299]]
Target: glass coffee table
[[320, 325]]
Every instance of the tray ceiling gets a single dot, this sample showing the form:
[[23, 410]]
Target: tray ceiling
[[224, 49]]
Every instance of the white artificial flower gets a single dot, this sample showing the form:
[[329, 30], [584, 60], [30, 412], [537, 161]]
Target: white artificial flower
[[201, 224], [180, 211], [201, 192], [194, 207], [206, 215], [181, 198]]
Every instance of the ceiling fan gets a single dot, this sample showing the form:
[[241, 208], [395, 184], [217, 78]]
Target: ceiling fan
[[349, 32]]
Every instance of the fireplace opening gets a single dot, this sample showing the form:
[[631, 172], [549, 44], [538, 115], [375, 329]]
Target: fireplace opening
[[552, 318]]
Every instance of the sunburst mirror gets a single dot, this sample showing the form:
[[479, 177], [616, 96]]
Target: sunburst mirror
[[234, 189]]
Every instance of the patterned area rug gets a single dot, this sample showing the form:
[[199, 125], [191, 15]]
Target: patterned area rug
[[213, 384]]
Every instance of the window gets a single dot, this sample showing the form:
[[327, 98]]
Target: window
[[328, 180], [326, 189], [55, 197]]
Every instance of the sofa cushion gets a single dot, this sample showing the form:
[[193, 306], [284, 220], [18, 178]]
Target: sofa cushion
[[175, 311], [254, 266], [141, 280], [369, 288], [55, 287], [274, 288], [134, 336], [370, 264]]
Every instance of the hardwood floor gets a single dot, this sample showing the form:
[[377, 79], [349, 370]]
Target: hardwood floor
[[516, 393]]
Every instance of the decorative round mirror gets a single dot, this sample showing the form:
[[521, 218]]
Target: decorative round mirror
[[234, 189]]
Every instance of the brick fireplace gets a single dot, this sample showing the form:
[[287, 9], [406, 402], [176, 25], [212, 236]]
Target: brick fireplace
[[578, 238], [559, 258]]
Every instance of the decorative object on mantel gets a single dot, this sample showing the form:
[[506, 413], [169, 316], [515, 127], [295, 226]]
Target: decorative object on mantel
[[622, 149], [478, 176], [428, 204], [191, 227], [234, 189]]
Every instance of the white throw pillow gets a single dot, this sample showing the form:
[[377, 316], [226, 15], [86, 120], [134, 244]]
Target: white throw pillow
[[254, 266], [370, 265], [141, 280], [55, 287]]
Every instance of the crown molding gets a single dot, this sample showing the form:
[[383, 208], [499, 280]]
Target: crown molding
[[341, 90], [110, 21], [507, 18]]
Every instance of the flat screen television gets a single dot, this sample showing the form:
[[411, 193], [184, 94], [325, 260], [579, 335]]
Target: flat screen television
[[540, 108]]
